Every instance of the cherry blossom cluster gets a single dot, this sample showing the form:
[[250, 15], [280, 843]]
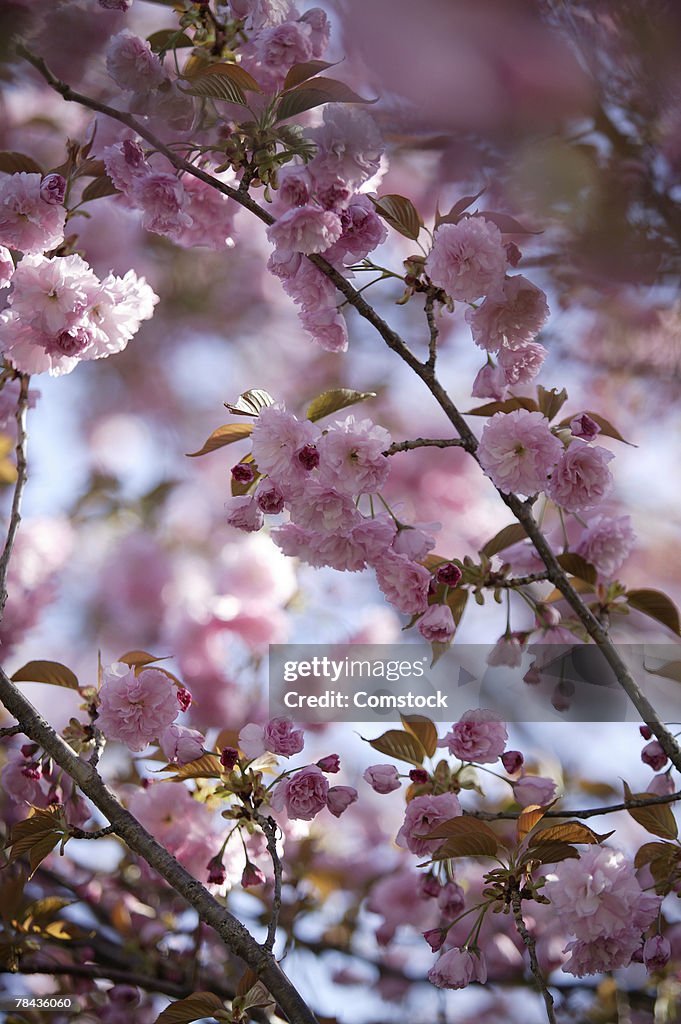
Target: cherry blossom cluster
[[184, 209], [319, 477], [320, 209], [595, 897], [469, 260]]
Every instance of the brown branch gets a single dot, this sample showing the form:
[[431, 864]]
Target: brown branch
[[423, 442], [232, 932], [10, 730], [100, 833], [22, 476], [588, 812], [269, 827], [528, 941]]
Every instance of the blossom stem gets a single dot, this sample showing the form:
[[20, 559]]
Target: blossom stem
[[528, 940], [22, 477]]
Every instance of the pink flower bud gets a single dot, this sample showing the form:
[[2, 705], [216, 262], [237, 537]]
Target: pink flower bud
[[383, 778], [184, 698], [308, 457], [339, 799], [429, 887], [513, 254], [229, 758], [243, 473], [29, 749], [53, 189], [512, 761], [449, 574], [251, 876], [585, 427], [269, 498], [645, 732], [216, 871], [656, 953], [419, 776], [653, 755], [434, 937], [330, 764]]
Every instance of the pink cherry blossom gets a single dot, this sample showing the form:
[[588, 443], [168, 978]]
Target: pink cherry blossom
[[508, 651], [28, 223], [518, 451], [404, 583], [423, 814], [339, 799], [277, 437], [351, 456], [162, 198], [490, 382], [585, 427], [280, 47], [303, 794], [210, 212], [132, 64], [305, 229], [468, 259], [252, 740], [349, 148], [135, 708], [606, 543], [6, 266], [363, 231], [281, 737], [581, 480], [322, 507], [53, 189], [479, 735], [244, 513], [327, 328], [457, 968], [437, 625], [533, 789], [383, 778], [320, 30], [510, 317], [181, 744], [522, 364], [124, 162], [657, 952], [415, 541]]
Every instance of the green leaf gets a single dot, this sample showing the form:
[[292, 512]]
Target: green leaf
[[36, 836], [313, 94], [577, 566], [551, 402], [51, 672], [332, 401], [401, 214], [658, 819], [424, 731], [655, 605], [206, 767], [509, 405], [250, 403], [606, 426], [454, 215], [222, 82], [403, 746], [168, 39], [506, 224], [137, 659], [299, 73], [225, 435], [511, 534], [14, 163], [550, 853], [99, 188], [569, 832], [464, 837], [194, 1007]]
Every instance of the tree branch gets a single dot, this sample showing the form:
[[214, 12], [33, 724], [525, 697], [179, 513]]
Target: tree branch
[[269, 827], [588, 812], [22, 476], [424, 442], [235, 936], [532, 953]]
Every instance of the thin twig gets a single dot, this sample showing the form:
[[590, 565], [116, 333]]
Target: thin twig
[[424, 442], [22, 476], [11, 730], [528, 941], [588, 812], [520, 581], [100, 833], [269, 827], [432, 329]]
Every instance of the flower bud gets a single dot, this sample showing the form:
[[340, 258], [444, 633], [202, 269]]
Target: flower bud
[[184, 698], [53, 189], [512, 761], [449, 574], [645, 732], [251, 876], [308, 457], [216, 871], [656, 953], [243, 473], [329, 764], [653, 755], [229, 758], [419, 776], [434, 937]]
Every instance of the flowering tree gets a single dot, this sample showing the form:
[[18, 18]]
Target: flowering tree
[[172, 849]]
